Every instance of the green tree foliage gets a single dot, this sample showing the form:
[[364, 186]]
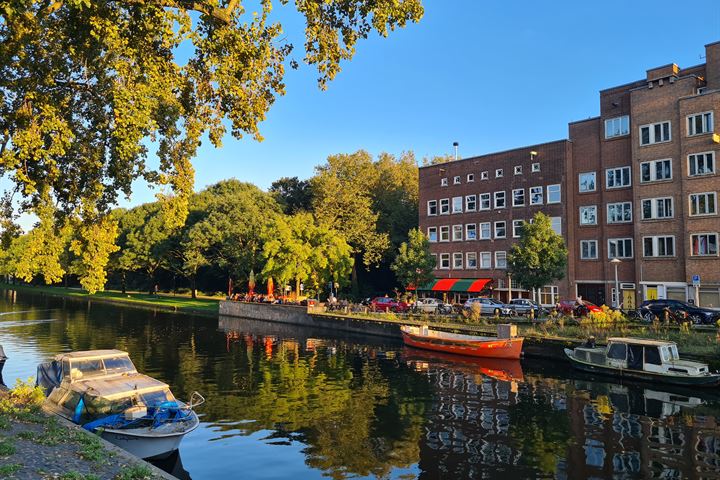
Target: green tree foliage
[[414, 263], [540, 256], [299, 249], [293, 194], [395, 195]]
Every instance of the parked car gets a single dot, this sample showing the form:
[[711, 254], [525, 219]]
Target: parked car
[[387, 304], [678, 310], [523, 306], [431, 305], [489, 306], [578, 309]]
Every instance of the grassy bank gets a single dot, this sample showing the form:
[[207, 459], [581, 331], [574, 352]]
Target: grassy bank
[[35, 445], [165, 302]]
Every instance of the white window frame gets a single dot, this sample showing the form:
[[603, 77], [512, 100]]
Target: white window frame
[[497, 196], [582, 215], [692, 203], [444, 182], [705, 234], [501, 254], [706, 123], [471, 203], [580, 182], [589, 243], [455, 264], [618, 127], [499, 173], [516, 227], [521, 190], [430, 204], [625, 206], [484, 175], [654, 208], [455, 230], [456, 180], [485, 227], [471, 227], [654, 247], [444, 206], [535, 167], [625, 242], [430, 230], [481, 260], [457, 205], [500, 224], [446, 230], [693, 159], [615, 171], [517, 170], [470, 178], [651, 133], [444, 257], [468, 257], [482, 198], [652, 165], [533, 191], [548, 199]]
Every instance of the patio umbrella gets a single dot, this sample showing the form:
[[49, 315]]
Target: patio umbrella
[[251, 282], [270, 286]]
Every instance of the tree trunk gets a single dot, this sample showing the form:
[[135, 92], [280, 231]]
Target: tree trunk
[[123, 286], [297, 288], [193, 288]]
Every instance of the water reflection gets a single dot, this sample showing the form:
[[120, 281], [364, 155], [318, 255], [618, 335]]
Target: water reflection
[[286, 402]]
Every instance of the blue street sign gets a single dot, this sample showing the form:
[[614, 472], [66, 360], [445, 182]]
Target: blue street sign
[[696, 280]]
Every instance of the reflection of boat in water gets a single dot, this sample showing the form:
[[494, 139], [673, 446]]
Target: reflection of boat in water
[[102, 391], [651, 360], [173, 465], [502, 346], [500, 369]]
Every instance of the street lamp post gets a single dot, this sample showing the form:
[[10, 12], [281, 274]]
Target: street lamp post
[[616, 300]]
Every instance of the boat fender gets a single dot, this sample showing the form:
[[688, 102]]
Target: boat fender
[[79, 410]]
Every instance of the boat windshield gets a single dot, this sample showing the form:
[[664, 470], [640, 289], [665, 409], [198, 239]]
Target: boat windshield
[[157, 397], [674, 352], [118, 364], [84, 368]]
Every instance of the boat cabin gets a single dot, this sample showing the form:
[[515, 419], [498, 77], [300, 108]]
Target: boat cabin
[[639, 354]]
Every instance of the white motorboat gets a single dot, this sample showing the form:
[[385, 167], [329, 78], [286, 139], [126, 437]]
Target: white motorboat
[[102, 391]]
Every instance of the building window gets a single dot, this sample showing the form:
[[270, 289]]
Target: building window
[[435, 260], [703, 204], [500, 229], [485, 260], [617, 127], [701, 164], [536, 195], [660, 246], [470, 231], [470, 177], [517, 169], [500, 199], [456, 180], [655, 133], [586, 182], [617, 177], [444, 206], [484, 175], [517, 226], [556, 223], [620, 248], [700, 123], [457, 204], [445, 261], [485, 231], [535, 167], [470, 203], [620, 212], [588, 215], [657, 208], [500, 259], [518, 199], [549, 295], [499, 173], [704, 244], [445, 233], [457, 261], [457, 233], [484, 201], [471, 260], [656, 170], [443, 182], [588, 249], [432, 234], [553, 193], [432, 208]]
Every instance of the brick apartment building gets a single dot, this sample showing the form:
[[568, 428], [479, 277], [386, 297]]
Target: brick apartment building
[[638, 183]]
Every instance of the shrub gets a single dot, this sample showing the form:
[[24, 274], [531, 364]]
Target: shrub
[[474, 313], [25, 397]]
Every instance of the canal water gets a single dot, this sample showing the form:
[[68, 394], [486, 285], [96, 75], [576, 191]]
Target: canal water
[[286, 402]]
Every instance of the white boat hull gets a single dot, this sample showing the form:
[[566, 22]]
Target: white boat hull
[[144, 447]]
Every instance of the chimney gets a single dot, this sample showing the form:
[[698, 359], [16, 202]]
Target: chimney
[[456, 144], [712, 65]]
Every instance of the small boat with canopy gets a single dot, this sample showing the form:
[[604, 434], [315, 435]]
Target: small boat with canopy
[[102, 391]]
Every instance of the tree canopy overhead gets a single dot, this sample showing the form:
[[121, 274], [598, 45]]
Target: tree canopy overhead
[[88, 87]]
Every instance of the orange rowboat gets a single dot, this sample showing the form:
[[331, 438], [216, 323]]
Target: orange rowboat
[[475, 346]]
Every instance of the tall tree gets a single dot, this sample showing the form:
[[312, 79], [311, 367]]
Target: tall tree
[[395, 195], [293, 194], [540, 256], [414, 263]]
